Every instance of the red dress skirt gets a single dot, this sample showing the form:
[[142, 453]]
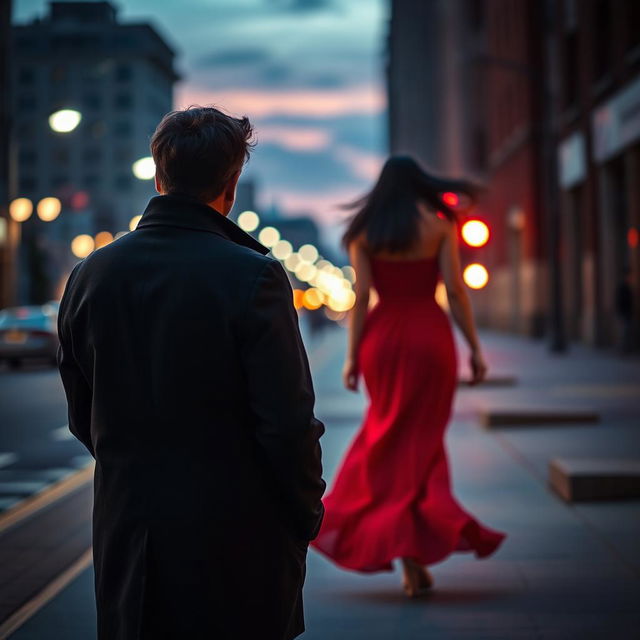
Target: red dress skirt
[[392, 495]]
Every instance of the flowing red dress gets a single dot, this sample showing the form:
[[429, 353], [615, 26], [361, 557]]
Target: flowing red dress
[[392, 496]]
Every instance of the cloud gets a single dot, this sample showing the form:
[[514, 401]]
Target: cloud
[[233, 57], [363, 164], [303, 5], [357, 99], [294, 138]]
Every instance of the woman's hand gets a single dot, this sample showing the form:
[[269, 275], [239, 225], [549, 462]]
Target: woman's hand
[[350, 374], [478, 367]]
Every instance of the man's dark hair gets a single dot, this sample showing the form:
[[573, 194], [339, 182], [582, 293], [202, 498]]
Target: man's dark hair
[[198, 149]]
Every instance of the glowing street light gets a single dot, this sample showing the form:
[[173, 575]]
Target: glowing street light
[[21, 209], [65, 120], [82, 245], [475, 233], [308, 253], [282, 249], [133, 223], [144, 168], [103, 238], [49, 209], [269, 236], [475, 276], [248, 221]]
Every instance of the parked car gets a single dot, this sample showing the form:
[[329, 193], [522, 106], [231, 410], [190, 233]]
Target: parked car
[[29, 332]]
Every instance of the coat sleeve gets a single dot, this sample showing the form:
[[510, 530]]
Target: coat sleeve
[[76, 386], [281, 399]]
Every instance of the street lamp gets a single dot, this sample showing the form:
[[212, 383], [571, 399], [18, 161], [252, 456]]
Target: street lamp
[[21, 209], [65, 120], [49, 209], [144, 168]]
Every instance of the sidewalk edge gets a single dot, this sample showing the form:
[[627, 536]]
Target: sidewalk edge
[[30, 608]]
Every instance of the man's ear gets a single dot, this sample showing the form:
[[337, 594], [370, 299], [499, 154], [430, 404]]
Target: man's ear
[[157, 183]]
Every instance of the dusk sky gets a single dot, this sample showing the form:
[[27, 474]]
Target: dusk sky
[[309, 73]]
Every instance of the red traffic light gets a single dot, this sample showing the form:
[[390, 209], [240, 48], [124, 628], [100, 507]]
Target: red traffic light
[[475, 233]]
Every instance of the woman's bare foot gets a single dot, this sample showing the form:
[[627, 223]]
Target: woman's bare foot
[[415, 577]]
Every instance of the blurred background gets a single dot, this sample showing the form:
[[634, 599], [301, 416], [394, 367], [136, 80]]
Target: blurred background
[[537, 101]]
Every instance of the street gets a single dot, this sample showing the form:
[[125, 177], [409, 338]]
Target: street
[[565, 570], [35, 444]]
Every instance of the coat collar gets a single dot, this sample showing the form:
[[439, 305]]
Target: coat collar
[[178, 210]]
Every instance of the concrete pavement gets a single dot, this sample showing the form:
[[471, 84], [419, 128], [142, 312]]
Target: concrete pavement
[[565, 571]]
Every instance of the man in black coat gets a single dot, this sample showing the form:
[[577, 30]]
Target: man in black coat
[[187, 380]]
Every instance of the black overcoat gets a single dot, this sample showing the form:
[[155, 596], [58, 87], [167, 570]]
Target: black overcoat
[[187, 380]]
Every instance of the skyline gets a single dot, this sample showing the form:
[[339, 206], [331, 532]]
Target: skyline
[[308, 73]]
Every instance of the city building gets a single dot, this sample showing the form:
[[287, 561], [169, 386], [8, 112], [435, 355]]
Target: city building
[[598, 44], [119, 77], [539, 102]]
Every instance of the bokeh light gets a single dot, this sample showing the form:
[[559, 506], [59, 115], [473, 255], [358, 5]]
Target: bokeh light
[[312, 299], [133, 223], [475, 233], [269, 236], [144, 168], [103, 238], [248, 221], [49, 209], [308, 253], [451, 199], [82, 245], [282, 249], [298, 295], [475, 276], [21, 209], [65, 120]]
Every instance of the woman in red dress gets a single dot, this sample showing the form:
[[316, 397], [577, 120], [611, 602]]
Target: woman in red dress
[[392, 496]]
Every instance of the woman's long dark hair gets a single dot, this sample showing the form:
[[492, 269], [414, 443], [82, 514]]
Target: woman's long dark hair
[[388, 215]]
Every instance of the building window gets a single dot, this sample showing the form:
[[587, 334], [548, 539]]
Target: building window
[[123, 73], [58, 75], [92, 155], [59, 181], [123, 101], [91, 181], [92, 101], [60, 156], [97, 129], [602, 37]]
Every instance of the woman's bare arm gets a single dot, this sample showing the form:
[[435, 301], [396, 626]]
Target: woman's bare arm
[[362, 266], [459, 302]]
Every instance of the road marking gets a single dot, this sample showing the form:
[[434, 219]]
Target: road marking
[[62, 433], [53, 492], [27, 610], [7, 458]]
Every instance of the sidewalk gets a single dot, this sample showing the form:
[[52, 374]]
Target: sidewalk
[[563, 572]]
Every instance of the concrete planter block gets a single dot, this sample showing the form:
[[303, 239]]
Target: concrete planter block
[[582, 479]]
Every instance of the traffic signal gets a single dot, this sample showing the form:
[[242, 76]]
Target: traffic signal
[[474, 234]]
